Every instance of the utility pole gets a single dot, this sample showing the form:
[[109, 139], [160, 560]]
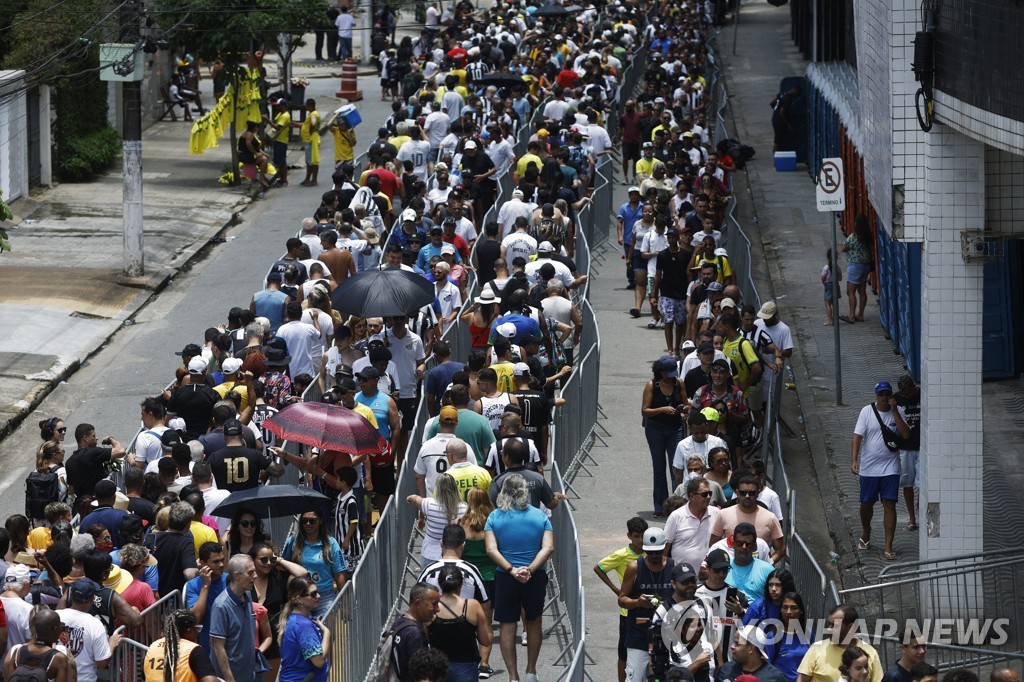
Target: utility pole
[[131, 140]]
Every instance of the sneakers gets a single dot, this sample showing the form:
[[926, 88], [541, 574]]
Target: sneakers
[[530, 677], [522, 639], [484, 672], [653, 324]]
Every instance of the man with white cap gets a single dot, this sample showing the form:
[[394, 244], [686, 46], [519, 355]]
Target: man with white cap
[[232, 382], [17, 583], [749, 654], [513, 208], [545, 251], [193, 401], [645, 584]]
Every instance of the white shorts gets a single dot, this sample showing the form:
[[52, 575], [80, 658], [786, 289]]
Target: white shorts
[[910, 475]]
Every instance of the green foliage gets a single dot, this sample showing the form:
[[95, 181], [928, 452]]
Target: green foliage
[[51, 38], [82, 157]]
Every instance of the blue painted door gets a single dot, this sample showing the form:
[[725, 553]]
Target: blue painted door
[[997, 319]]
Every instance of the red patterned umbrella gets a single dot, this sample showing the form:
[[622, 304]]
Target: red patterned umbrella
[[326, 426]]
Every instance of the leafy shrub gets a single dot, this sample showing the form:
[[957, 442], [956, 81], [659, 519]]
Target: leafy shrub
[[82, 157]]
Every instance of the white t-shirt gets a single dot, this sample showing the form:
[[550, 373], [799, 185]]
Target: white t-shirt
[[417, 152], [345, 22], [653, 243], [561, 271], [519, 244], [18, 613], [86, 642], [405, 353], [688, 448], [875, 458], [510, 210], [390, 376], [693, 360], [780, 334], [300, 338], [431, 460], [147, 445], [465, 229], [316, 352], [436, 124]]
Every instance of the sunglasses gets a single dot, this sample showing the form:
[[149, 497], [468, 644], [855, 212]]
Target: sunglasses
[[314, 593], [706, 494], [310, 522], [248, 523], [746, 493], [267, 560], [62, 429]]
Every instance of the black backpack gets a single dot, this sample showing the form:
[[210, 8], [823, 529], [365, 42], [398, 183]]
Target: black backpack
[[41, 488], [30, 668]]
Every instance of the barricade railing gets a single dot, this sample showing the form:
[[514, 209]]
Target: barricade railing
[[153, 619], [568, 575], [126, 661]]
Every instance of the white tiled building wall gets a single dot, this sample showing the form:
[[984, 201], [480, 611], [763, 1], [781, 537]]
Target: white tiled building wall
[[872, 21], [907, 136], [951, 348], [1004, 192]]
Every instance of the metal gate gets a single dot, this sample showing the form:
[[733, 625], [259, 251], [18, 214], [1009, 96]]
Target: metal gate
[[35, 157]]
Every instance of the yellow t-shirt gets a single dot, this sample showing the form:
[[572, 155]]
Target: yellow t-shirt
[[236, 386], [821, 662], [40, 539], [467, 476], [645, 166], [283, 123], [310, 129], [721, 264], [201, 534], [618, 561], [740, 352], [399, 140], [463, 77], [504, 371], [524, 160], [661, 127], [344, 143]]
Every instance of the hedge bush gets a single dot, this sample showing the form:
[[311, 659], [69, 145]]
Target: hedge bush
[[82, 157]]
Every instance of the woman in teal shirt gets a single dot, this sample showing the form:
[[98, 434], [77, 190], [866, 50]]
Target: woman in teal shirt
[[321, 555]]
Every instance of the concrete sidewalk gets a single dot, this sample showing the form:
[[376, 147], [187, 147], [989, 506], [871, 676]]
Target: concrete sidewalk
[[62, 294], [778, 209]]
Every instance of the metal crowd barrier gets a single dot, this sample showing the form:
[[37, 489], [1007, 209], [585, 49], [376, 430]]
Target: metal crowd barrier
[[152, 627], [568, 579], [126, 661]]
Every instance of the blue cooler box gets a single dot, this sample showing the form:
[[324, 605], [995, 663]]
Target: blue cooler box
[[785, 161], [352, 117]]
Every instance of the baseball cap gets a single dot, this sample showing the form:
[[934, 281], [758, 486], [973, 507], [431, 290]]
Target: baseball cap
[[436, 229], [545, 247], [728, 303], [654, 539], [104, 489], [883, 386], [17, 573], [170, 438], [634, 188], [543, 132], [131, 526], [720, 251], [83, 590], [231, 365], [520, 369], [667, 367], [190, 350], [768, 310], [368, 374], [711, 414], [408, 214], [682, 572], [507, 329], [718, 558], [447, 249], [715, 286], [470, 144], [518, 193], [233, 427], [721, 363], [448, 415], [440, 166], [196, 365], [688, 345], [753, 635]]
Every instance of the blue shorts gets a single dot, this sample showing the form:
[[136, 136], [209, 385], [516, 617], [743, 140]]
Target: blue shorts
[[673, 310], [512, 597], [873, 488], [856, 273]]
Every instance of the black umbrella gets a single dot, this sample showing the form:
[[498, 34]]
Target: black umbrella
[[389, 292], [500, 79], [556, 11], [273, 501]]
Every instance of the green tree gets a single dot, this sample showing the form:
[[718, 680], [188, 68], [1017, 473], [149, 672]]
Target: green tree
[[232, 29]]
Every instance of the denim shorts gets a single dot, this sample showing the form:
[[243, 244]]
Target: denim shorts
[[857, 273]]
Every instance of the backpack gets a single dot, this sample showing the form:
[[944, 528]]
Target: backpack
[[384, 667], [41, 488], [30, 668]]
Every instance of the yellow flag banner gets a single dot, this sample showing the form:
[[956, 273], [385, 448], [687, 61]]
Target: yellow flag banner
[[208, 129]]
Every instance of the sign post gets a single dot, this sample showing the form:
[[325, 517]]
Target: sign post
[[830, 192]]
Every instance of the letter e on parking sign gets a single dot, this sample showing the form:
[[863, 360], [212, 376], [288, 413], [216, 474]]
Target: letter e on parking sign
[[830, 187]]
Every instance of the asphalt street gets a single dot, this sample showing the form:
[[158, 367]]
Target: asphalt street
[[140, 361]]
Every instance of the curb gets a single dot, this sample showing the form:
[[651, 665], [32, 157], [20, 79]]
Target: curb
[[149, 286]]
